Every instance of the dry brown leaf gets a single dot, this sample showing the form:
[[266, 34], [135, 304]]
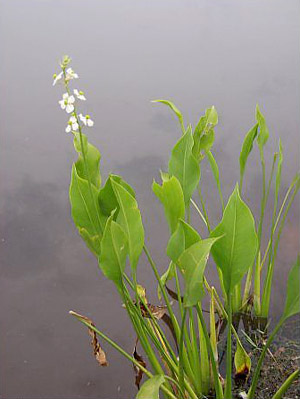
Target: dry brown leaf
[[98, 351], [138, 371]]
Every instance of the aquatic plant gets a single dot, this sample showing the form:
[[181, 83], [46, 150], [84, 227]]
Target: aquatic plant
[[109, 221]]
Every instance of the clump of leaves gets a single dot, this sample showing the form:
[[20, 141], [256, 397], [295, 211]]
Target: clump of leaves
[[108, 219]]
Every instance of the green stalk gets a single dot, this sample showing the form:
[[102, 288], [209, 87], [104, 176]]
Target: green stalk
[[296, 178], [217, 383], [256, 294], [204, 209], [195, 350], [124, 353], [215, 169], [264, 201], [287, 383], [189, 347], [199, 212], [181, 345], [172, 315], [155, 322], [228, 386], [268, 283], [136, 322], [204, 360]]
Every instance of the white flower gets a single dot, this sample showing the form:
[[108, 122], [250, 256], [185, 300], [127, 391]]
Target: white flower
[[67, 103], [72, 124], [79, 94], [57, 78], [70, 74], [86, 120]]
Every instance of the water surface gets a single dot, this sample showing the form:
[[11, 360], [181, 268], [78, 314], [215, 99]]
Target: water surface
[[197, 53]]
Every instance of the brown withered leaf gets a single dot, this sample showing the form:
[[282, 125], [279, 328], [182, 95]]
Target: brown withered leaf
[[160, 313], [157, 311], [98, 351], [137, 370]]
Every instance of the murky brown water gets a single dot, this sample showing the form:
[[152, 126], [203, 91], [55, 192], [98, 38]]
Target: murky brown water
[[196, 52]]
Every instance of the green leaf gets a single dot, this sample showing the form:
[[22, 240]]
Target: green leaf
[[235, 252], [83, 209], [292, 303], [173, 108], [242, 361], [192, 264], [150, 388], [263, 131], [184, 165], [92, 157], [204, 133], [212, 116], [171, 196], [107, 198], [114, 250], [246, 149], [129, 218], [207, 140], [93, 242], [182, 238]]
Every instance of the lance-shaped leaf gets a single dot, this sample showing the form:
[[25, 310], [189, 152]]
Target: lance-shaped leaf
[[246, 149], [114, 250], [242, 361], [184, 165], [173, 108], [192, 264], [150, 388], [235, 252], [263, 131], [92, 157], [171, 196], [107, 198], [129, 218], [182, 238], [85, 211], [292, 303]]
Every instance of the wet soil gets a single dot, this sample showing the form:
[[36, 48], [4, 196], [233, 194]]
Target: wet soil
[[282, 359]]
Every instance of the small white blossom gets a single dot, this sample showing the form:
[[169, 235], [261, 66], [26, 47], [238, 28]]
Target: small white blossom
[[79, 94], [86, 120], [57, 78], [70, 74], [72, 124], [67, 103]]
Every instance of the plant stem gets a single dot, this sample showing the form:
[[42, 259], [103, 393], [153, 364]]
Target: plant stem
[[199, 212], [218, 387], [268, 283], [228, 386], [279, 216], [204, 209], [181, 344]]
